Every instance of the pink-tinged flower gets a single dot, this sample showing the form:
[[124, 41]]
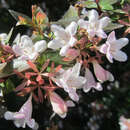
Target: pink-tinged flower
[[3, 38], [102, 74], [23, 117], [72, 54], [94, 25], [58, 104], [124, 123], [64, 38], [70, 80], [90, 83], [25, 48], [112, 48]]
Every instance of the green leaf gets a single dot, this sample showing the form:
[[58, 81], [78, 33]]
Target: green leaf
[[55, 57], [90, 4], [104, 4], [70, 15], [16, 17], [9, 36], [46, 20], [113, 26], [2, 66], [16, 64], [9, 86]]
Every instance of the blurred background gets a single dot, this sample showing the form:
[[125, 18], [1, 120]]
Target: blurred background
[[95, 110]]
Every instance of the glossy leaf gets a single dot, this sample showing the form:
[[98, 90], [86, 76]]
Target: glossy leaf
[[69, 16], [113, 26]]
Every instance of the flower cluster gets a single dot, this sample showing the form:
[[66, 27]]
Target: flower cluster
[[80, 48]]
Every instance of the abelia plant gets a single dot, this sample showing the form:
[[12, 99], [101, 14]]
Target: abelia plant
[[58, 57]]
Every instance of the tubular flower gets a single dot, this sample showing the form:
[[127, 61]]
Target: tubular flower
[[64, 38], [102, 75], [91, 83], [70, 80], [23, 117], [112, 48], [27, 50], [58, 104], [94, 25]]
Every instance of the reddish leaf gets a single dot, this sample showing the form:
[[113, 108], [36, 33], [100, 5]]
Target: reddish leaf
[[39, 80], [21, 86], [29, 74], [40, 95], [29, 82], [45, 65], [7, 49], [58, 68], [67, 59], [124, 23], [28, 89], [25, 91], [52, 66], [19, 74], [40, 17], [35, 97], [33, 66]]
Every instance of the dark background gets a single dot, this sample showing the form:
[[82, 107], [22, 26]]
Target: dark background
[[112, 102]]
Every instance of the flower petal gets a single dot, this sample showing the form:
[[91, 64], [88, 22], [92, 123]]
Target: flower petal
[[55, 44], [70, 103], [26, 41], [64, 49], [90, 83], [93, 15], [27, 108], [9, 115], [101, 74], [72, 28], [104, 22], [111, 37], [103, 48], [72, 41], [120, 56], [76, 82], [59, 31], [101, 33], [120, 43], [18, 115], [19, 123], [40, 46], [17, 50], [76, 69], [109, 56], [73, 95], [58, 104], [31, 123], [98, 87], [83, 24]]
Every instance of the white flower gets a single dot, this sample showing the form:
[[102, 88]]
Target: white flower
[[70, 80], [64, 38], [90, 83], [124, 123], [94, 25], [112, 48], [58, 104], [3, 38], [23, 117], [101, 74], [27, 50]]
